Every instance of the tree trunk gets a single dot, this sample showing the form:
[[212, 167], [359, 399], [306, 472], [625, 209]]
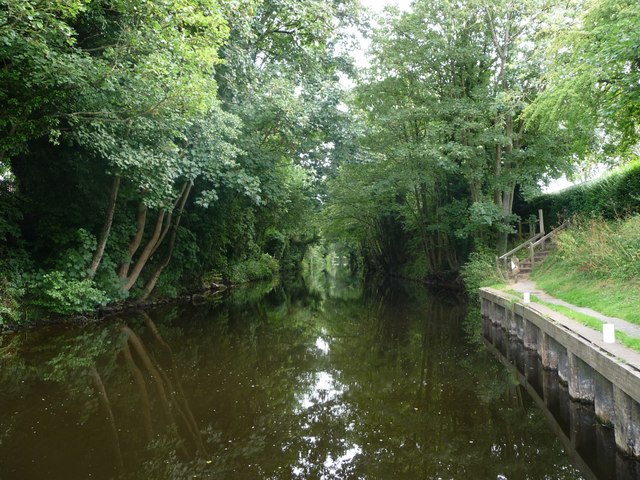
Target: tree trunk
[[141, 221], [169, 218], [151, 283], [497, 171], [106, 229], [507, 192], [146, 253]]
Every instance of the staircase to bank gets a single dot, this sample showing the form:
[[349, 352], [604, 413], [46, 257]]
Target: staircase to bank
[[539, 246], [539, 255]]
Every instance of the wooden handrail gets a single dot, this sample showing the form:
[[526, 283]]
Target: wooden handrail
[[532, 243], [521, 246], [548, 235]]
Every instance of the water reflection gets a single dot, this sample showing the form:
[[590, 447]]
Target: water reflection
[[591, 444], [278, 382], [322, 344]]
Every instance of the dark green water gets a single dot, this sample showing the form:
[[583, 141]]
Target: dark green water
[[273, 383]]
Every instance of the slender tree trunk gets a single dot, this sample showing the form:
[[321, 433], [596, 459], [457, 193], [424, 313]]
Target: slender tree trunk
[[135, 241], [167, 226], [146, 253], [151, 283], [507, 191], [106, 405], [106, 229], [497, 171]]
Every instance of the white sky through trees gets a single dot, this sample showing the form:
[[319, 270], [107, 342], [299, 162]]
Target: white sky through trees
[[378, 5]]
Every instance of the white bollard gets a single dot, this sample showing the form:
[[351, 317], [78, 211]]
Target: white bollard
[[527, 297], [608, 333]]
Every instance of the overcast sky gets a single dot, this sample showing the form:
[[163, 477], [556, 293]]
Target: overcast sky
[[378, 5]]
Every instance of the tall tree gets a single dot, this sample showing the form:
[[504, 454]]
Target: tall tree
[[592, 80]]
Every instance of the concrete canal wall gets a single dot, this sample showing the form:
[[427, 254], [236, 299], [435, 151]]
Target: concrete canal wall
[[605, 375]]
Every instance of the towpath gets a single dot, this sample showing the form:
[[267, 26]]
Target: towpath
[[528, 285]]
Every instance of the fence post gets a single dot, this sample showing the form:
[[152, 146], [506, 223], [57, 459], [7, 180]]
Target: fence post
[[541, 217], [532, 255]]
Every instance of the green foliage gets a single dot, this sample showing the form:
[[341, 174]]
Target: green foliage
[[134, 95], [602, 249], [258, 268], [75, 259], [484, 217], [444, 143], [56, 292], [593, 74], [9, 306], [480, 271]]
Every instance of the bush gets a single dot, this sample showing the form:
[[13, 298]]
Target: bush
[[480, 271], [258, 268], [56, 292], [8, 302]]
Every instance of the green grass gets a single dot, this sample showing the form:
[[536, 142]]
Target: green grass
[[582, 318], [591, 322], [609, 296]]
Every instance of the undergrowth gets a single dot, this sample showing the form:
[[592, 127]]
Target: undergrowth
[[480, 271], [596, 265]]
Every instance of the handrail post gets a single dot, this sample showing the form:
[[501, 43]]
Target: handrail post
[[532, 255], [541, 217]]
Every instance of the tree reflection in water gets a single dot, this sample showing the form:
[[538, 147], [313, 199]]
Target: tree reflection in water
[[277, 382]]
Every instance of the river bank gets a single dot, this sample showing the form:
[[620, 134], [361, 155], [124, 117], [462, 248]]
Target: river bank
[[116, 308]]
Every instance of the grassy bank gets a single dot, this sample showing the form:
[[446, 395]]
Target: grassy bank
[[590, 322], [597, 265]]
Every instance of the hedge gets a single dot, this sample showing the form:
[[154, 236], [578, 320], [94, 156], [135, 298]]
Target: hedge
[[615, 195]]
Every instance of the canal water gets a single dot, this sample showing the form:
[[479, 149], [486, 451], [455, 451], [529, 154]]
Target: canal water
[[328, 380]]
